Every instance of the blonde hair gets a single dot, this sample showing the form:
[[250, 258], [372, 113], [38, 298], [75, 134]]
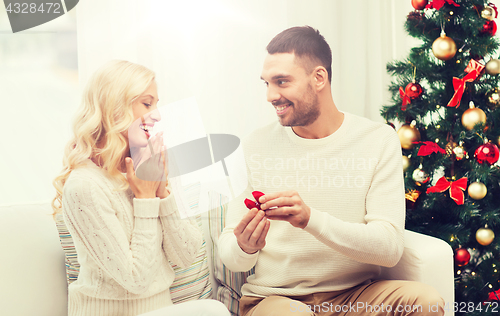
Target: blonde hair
[[104, 114]]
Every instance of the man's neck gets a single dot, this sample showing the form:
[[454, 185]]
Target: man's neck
[[328, 122]]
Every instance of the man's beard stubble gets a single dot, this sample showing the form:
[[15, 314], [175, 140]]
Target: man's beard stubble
[[305, 112]]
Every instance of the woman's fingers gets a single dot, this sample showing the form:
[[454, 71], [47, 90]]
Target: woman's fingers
[[129, 165]]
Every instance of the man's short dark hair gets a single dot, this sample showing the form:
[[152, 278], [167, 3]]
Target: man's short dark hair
[[306, 43]]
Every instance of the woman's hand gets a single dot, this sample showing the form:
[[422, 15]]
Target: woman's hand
[[143, 189], [162, 191]]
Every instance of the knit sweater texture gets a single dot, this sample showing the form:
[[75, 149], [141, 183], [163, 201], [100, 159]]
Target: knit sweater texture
[[124, 245], [353, 182]]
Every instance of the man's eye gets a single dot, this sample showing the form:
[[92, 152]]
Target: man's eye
[[280, 82]]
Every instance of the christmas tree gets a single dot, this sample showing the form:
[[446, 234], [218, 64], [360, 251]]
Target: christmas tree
[[445, 94]]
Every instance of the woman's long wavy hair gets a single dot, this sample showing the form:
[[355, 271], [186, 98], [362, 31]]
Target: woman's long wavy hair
[[102, 118]]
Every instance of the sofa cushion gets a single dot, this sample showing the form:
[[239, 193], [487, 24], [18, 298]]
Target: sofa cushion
[[229, 293], [190, 283]]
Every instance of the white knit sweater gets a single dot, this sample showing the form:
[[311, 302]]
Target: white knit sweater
[[353, 182], [123, 245]]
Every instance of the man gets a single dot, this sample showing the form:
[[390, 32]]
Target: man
[[333, 210]]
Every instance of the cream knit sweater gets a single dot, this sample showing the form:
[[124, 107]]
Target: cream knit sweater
[[353, 182], [123, 246]]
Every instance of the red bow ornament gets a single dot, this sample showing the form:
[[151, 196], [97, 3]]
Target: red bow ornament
[[429, 148], [405, 97], [459, 85], [456, 188], [438, 4], [494, 296]]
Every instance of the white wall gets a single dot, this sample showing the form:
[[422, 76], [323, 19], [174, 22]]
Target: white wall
[[212, 50]]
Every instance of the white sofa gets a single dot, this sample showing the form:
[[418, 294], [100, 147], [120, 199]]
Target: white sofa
[[33, 276]]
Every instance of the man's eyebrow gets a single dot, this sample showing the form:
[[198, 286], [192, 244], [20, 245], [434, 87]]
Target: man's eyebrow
[[280, 76]]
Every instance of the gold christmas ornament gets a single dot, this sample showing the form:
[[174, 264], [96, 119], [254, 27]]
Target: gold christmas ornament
[[485, 236], [408, 134], [488, 13], [420, 176], [493, 97], [444, 47], [449, 147], [477, 190], [406, 163], [493, 67], [473, 116]]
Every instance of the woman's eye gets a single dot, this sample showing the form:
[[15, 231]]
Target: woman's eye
[[147, 105]]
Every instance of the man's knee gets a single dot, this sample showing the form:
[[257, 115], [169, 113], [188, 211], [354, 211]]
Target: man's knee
[[281, 306], [423, 298]]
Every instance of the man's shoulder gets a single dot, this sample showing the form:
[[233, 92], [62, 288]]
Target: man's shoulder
[[369, 129]]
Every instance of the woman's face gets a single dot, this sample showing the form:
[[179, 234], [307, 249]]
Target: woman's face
[[146, 115]]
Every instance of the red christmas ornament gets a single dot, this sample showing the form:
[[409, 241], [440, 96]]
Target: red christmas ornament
[[429, 148], [438, 4], [462, 257], [251, 204], [419, 4], [490, 28], [487, 153], [494, 296], [456, 188], [413, 90]]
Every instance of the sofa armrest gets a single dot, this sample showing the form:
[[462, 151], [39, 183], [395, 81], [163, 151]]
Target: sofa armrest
[[428, 260], [32, 266]]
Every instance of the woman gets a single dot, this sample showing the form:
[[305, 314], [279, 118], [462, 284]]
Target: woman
[[125, 228]]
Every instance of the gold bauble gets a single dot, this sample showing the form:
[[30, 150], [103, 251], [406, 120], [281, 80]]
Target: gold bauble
[[407, 135], [406, 163], [477, 190], [493, 67], [493, 97], [444, 47], [485, 236], [488, 13], [449, 147], [473, 116]]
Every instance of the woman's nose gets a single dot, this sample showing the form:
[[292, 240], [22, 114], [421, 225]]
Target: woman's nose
[[155, 115]]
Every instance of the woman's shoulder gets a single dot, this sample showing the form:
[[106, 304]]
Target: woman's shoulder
[[84, 176]]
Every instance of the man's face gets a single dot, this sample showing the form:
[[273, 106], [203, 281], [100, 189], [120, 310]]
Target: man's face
[[289, 90]]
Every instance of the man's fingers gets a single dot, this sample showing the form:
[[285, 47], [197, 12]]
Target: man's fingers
[[278, 202], [262, 239], [259, 230], [238, 230], [275, 195], [248, 224]]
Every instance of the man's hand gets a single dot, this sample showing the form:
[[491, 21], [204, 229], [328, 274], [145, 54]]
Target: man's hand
[[251, 231], [290, 208]]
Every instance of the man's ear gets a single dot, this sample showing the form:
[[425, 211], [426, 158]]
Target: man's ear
[[320, 78]]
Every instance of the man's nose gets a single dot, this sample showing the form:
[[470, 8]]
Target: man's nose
[[272, 95]]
